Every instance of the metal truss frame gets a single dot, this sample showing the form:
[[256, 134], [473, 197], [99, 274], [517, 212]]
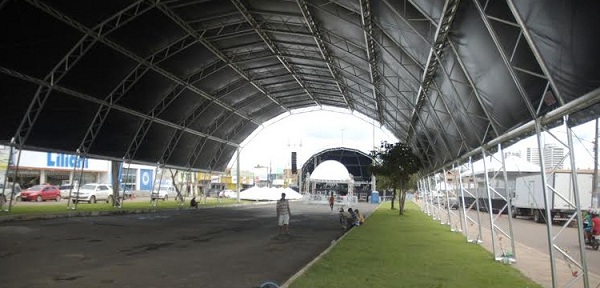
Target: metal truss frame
[[474, 89], [505, 59], [535, 50], [360, 48], [434, 58], [451, 214], [491, 191], [200, 38], [466, 218], [368, 32], [98, 37], [325, 53], [549, 194]]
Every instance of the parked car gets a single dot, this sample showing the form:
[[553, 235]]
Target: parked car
[[92, 193], [41, 193], [7, 193], [164, 192], [123, 189], [454, 203], [65, 189]]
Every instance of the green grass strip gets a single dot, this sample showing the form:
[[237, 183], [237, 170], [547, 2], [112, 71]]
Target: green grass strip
[[61, 207], [408, 251]]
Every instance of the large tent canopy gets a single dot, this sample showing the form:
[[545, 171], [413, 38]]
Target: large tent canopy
[[331, 171], [183, 82]]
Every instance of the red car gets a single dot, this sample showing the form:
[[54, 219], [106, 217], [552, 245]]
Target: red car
[[41, 193]]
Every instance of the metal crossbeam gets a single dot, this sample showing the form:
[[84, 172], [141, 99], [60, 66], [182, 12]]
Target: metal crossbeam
[[325, 53], [535, 51], [273, 47], [166, 155], [196, 151], [505, 59], [46, 85], [367, 22], [113, 45], [440, 42], [140, 134], [130, 80], [42, 93], [94, 129], [184, 25], [475, 91]]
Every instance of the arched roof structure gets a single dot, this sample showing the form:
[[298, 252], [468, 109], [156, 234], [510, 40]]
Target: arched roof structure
[[356, 162], [183, 82]]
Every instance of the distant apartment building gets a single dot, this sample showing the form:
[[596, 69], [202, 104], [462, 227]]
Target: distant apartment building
[[553, 155]]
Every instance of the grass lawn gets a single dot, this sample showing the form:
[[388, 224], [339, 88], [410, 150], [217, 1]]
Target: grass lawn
[[61, 207], [408, 251]]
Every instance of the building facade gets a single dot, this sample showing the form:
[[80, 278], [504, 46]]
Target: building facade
[[553, 156], [33, 168]]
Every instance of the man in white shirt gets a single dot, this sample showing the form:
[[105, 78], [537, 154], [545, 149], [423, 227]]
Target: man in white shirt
[[283, 215]]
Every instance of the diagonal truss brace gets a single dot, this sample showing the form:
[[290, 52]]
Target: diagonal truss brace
[[184, 25], [51, 11], [367, 23], [333, 69], [440, 42], [272, 46]]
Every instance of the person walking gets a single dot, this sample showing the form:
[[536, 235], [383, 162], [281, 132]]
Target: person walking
[[331, 201], [283, 215]]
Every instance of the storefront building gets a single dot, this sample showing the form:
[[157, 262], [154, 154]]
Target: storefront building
[[35, 168]]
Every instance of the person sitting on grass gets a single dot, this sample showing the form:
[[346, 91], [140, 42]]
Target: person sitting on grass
[[360, 216], [194, 203], [353, 219]]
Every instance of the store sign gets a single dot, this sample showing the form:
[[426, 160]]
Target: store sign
[[65, 161], [146, 179], [59, 161]]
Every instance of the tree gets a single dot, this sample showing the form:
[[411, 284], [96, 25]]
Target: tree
[[398, 163]]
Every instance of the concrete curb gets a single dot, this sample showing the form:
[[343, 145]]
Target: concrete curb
[[74, 213], [325, 252]]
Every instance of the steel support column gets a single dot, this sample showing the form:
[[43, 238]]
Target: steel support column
[[476, 196], [237, 163], [509, 205], [449, 223], [547, 206], [582, 252], [489, 203]]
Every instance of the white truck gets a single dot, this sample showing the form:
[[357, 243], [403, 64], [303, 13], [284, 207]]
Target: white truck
[[528, 197]]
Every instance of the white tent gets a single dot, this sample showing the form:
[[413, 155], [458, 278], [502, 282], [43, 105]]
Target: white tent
[[512, 163], [268, 194], [330, 171]]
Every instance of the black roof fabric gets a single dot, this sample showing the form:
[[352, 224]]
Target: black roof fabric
[[183, 82]]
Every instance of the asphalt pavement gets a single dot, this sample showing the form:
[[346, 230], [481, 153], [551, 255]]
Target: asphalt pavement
[[207, 247]]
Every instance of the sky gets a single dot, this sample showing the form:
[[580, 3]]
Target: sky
[[583, 142], [308, 133]]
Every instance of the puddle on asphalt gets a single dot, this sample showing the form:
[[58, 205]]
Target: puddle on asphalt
[[16, 229], [152, 217]]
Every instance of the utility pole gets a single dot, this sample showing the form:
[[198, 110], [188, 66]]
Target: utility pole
[[595, 176]]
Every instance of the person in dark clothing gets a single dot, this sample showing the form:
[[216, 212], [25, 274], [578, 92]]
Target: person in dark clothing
[[353, 219], [331, 201], [194, 203]]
